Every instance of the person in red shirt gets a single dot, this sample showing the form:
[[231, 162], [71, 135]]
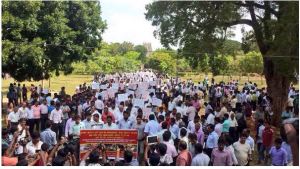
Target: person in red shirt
[[107, 113], [184, 158], [267, 137]]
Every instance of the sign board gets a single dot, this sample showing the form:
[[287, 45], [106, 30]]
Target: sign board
[[156, 102], [103, 87], [111, 139], [139, 103], [122, 97], [115, 86]]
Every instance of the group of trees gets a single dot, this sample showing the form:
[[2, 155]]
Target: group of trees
[[45, 37], [112, 58], [126, 57], [202, 26], [40, 38]]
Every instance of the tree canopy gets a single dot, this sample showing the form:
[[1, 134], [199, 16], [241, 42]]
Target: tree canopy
[[41, 37], [202, 26]]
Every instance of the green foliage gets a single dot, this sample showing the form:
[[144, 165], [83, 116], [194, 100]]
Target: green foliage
[[142, 50], [103, 60], [40, 37], [219, 65], [230, 47], [201, 27], [162, 61], [248, 42], [251, 63]]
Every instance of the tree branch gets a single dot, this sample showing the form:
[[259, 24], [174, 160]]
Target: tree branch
[[238, 22], [257, 29], [273, 11]]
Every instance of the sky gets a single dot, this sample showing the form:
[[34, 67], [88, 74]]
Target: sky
[[126, 22]]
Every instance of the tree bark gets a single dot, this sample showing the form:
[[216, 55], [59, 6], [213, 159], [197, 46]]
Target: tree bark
[[277, 88]]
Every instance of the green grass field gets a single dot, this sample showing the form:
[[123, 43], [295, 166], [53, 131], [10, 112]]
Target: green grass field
[[71, 81]]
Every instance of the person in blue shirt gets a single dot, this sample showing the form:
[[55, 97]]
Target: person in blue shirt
[[212, 139], [286, 114], [152, 127], [51, 106], [174, 128], [226, 124]]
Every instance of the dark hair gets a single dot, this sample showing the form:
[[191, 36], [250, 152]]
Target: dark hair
[[128, 156], [278, 141], [226, 116], [161, 117], [154, 159], [62, 153], [162, 148], [183, 132], [229, 140], [108, 117], [48, 124], [217, 119], [119, 163], [182, 145], [139, 116], [243, 135], [94, 157], [58, 161], [211, 126], [221, 141], [45, 147], [164, 125], [4, 132], [151, 117], [166, 135], [35, 135], [22, 156], [192, 136], [22, 163], [198, 148]]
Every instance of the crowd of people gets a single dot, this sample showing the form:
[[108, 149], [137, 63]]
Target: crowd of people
[[196, 124]]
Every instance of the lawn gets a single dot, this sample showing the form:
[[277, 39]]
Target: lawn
[[71, 81]]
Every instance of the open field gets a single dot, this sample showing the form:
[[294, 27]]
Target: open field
[[196, 77], [71, 81]]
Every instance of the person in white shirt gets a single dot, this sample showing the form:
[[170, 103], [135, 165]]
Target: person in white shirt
[[23, 111], [191, 124], [88, 121], [110, 125], [249, 139], [56, 116], [99, 104], [200, 159], [44, 114], [76, 127], [242, 151], [118, 113], [95, 111], [218, 126], [30, 118], [35, 144], [97, 123], [210, 118], [233, 127], [229, 147], [13, 118]]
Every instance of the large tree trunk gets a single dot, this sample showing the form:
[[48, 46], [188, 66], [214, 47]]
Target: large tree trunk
[[277, 88]]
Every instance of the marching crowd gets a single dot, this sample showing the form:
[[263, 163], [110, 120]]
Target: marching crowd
[[197, 124]]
